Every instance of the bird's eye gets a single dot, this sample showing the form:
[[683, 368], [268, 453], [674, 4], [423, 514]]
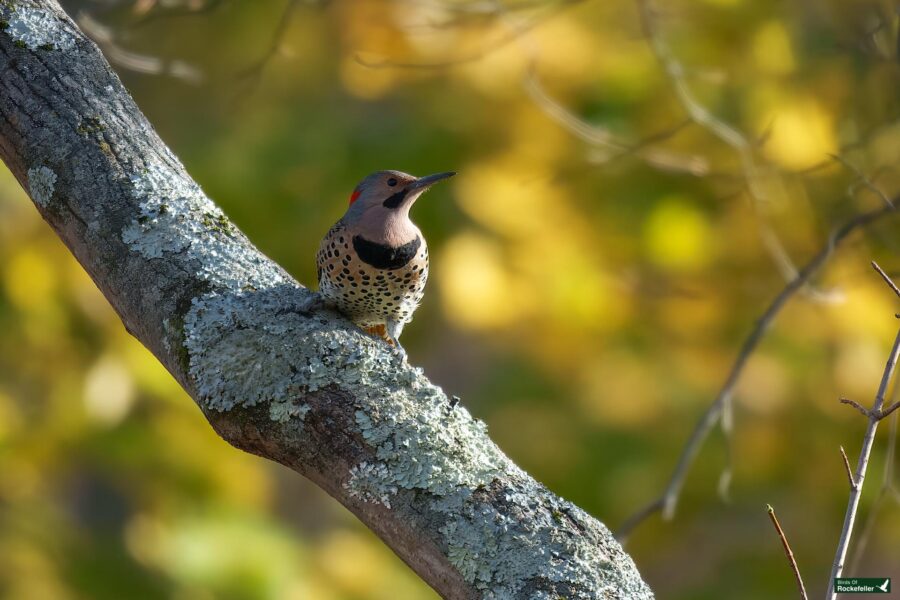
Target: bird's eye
[[392, 182]]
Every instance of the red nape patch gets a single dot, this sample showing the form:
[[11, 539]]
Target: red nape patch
[[354, 196]]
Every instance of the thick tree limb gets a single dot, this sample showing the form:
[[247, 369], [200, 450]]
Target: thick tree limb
[[313, 393]]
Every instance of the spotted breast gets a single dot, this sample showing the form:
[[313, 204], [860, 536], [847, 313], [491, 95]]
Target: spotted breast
[[371, 283]]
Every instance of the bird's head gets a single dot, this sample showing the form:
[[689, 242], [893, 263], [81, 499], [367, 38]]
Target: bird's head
[[386, 195]]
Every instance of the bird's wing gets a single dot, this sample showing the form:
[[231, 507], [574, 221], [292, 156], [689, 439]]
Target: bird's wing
[[322, 258]]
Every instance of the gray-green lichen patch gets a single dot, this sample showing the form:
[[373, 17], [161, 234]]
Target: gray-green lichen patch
[[247, 347], [368, 483], [41, 182], [35, 28], [426, 444], [284, 411], [251, 347], [179, 221], [512, 539]]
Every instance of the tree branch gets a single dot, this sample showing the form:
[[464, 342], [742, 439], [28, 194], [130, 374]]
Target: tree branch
[[887, 491], [726, 133], [847, 468], [787, 551], [313, 393], [862, 464], [668, 501]]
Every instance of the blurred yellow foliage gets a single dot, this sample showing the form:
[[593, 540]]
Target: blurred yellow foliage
[[677, 235], [351, 562], [764, 388], [220, 550], [108, 391], [801, 131], [30, 280], [364, 82], [10, 418], [514, 202], [858, 367], [615, 391], [772, 49], [476, 291]]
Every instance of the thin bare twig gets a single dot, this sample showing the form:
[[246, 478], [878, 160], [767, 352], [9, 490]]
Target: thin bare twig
[[847, 466], [615, 148], [750, 169], [861, 141], [885, 492], [856, 405], [874, 414], [887, 412], [668, 501], [252, 74], [862, 180], [729, 135], [887, 279], [148, 12], [139, 63], [859, 477], [787, 551], [514, 33]]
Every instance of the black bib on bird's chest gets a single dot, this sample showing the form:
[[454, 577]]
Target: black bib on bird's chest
[[382, 256]]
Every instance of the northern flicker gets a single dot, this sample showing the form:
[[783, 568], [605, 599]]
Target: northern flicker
[[373, 263]]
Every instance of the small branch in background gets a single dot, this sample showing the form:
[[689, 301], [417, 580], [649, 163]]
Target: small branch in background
[[250, 76], [142, 7], [861, 141], [874, 416], [515, 32], [132, 61], [877, 415], [863, 180], [889, 410], [887, 491], [884, 275], [787, 551], [847, 467], [147, 11], [668, 501], [862, 409], [676, 74], [760, 199], [611, 147]]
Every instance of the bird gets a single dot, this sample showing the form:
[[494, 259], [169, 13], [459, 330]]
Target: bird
[[372, 264]]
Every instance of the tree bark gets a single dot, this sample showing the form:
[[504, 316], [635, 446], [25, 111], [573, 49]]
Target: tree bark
[[311, 392]]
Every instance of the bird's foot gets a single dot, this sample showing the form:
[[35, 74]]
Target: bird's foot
[[311, 304], [398, 350], [392, 332], [380, 331]]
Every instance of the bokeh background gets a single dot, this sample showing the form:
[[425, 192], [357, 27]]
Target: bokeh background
[[596, 264]]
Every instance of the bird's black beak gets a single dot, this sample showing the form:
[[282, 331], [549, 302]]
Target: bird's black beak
[[429, 180], [416, 189]]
